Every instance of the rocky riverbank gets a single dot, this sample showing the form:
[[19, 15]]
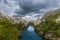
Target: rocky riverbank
[[48, 35], [50, 29]]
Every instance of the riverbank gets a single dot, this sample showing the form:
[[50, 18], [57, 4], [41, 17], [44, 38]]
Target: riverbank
[[48, 35]]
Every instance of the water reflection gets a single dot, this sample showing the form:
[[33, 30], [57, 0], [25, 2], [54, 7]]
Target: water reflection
[[30, 34], [30, 29]]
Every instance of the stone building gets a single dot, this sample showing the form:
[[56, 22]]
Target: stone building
[[16, 20], [19, 20]]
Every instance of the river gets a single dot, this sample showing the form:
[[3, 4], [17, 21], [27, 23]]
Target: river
[[30, 34]]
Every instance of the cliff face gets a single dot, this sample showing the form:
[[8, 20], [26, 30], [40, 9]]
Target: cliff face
[[55, 15], [53, 24]]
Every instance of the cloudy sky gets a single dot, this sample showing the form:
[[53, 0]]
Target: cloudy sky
[[28, 9]]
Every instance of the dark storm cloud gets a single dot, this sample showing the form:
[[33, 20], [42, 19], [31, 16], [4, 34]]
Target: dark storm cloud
[[29, 6], [35, 6]]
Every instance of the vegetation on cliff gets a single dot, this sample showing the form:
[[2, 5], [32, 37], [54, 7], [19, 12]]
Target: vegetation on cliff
[[9, 31], [50, 25]]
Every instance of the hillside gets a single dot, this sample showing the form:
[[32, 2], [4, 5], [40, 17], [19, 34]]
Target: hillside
[[8, 30], [51, 27], [52, 14]]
